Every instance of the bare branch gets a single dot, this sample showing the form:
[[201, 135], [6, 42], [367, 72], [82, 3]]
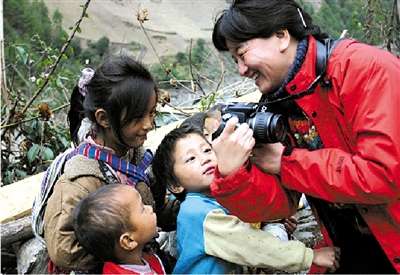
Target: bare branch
[[33, 118], [141, 17], [175, 108], [221, 79], [191, 70]]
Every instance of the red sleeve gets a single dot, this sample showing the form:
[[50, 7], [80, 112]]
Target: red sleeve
[[112, 268], [366, 82], [252, 196]]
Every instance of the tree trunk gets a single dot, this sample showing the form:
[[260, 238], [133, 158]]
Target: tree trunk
[[398, 10], [16, 231], [3, 86]]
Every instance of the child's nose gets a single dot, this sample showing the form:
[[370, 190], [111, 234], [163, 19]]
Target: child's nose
[[205, 160], [148, 123]]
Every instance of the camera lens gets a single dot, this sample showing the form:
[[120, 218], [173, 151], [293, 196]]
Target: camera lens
[[268, 127]]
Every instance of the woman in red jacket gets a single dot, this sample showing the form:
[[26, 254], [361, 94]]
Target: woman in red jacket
[[343, 147]]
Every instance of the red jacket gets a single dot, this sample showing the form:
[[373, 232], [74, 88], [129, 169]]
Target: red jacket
[[154, 263], [358, 120]]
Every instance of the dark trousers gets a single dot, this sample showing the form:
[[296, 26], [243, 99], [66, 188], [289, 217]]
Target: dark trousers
[[360, 251]]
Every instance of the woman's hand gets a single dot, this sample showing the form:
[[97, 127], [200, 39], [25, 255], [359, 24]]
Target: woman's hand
[[268, 157], [233, 147]]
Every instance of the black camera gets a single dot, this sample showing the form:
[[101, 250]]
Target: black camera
[[267, 127]]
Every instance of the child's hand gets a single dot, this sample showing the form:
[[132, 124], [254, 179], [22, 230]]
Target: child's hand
[[290, 224], [327, 257], [233, 147]]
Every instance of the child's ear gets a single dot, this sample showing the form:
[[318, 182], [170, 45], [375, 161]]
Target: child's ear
[[176, 189], [102, 118], [211, 124], [127, 242]]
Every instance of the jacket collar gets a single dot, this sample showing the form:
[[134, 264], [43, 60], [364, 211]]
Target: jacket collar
[[306, 74], [79, 166]]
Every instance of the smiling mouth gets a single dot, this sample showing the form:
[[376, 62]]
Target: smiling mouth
[[255, 76], [210, 170]]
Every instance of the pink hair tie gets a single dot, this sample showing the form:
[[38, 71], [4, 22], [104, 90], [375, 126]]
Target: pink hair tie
[[86, 76]]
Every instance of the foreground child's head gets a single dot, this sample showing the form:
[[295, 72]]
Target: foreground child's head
[[185, 161], [113, 224]]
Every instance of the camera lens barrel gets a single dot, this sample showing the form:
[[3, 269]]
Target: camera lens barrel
[[268, 127]]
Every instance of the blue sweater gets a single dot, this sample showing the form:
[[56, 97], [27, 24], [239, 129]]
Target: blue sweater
[[190, 237]]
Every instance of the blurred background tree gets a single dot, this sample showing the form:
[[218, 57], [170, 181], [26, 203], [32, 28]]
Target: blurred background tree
[[33, 39]]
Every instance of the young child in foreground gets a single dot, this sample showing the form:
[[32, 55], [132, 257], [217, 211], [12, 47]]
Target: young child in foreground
[[208, 122], [113, 224], [209, 239]]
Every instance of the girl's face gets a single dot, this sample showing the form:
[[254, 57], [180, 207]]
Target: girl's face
[[263, 59], [135, 133], [195, 163]]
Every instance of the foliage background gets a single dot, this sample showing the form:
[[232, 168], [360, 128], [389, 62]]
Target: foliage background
[[33, 39]]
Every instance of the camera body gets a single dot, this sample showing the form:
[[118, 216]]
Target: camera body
[[267, 127]]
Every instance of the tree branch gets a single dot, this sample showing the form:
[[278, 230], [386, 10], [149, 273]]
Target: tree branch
[[191, 70], [32, 118], [141, 17], [62, 52], [47, 77]]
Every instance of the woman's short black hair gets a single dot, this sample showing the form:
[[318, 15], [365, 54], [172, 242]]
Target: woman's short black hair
[[248, 19], [122, 87], [99, 220], [163, 162]]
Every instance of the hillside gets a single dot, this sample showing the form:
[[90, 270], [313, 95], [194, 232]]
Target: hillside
[[171, 22]]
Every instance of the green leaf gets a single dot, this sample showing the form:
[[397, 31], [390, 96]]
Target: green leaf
[[20, 173], [47, 154], [64, 141], [39, 82], [22, 54], [59, 83], [33, 153], [8, 177], [78, 29]]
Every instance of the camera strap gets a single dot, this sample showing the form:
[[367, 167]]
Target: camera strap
[[324, 50]]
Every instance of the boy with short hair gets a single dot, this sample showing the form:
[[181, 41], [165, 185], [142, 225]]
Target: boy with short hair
[[113, 224], [209, 239]]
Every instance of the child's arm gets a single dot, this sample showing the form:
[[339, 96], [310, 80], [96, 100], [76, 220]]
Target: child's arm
[[235, 188], [62, 245], [228, 238]]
